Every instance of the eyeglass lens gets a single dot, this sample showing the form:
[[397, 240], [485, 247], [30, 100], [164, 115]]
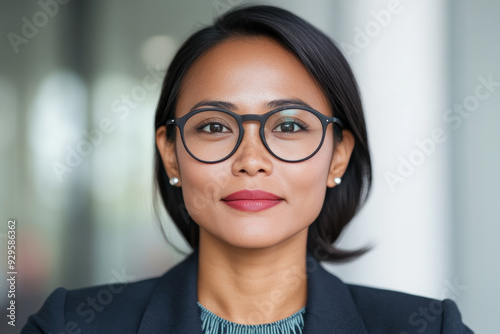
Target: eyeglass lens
[[291, 134]]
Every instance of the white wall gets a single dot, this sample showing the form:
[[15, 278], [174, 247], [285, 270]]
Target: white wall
[[475, 53]]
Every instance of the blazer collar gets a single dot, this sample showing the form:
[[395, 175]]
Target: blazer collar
[[173, 309], [330, 307]]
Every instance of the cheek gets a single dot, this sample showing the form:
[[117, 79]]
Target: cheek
[[202, 184], [308, 181], [315, 171], [306, 184]]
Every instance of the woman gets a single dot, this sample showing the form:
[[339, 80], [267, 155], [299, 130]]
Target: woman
[[262, 159]]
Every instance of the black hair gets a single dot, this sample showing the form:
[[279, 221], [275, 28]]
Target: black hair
[[325, 62]]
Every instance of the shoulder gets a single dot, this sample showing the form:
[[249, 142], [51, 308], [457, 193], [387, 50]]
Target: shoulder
[[383, 310], [145, 306], [103, 308]]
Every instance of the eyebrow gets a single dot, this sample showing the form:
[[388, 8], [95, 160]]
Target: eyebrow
[[286, 102], [273, 104]]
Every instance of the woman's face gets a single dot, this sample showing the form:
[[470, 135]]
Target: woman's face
[[249, 73]]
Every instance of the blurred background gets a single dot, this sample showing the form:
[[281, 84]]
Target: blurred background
[[79, 82]]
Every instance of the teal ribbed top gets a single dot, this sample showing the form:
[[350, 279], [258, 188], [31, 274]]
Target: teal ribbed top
[[213, 324]]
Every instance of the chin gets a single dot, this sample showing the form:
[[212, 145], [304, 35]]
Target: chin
[[263, 238], [254, 243], [252, 232]]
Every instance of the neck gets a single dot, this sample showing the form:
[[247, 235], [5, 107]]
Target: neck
[[252, 286]]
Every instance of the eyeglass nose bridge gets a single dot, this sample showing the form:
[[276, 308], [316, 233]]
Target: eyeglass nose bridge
[[253, 117]]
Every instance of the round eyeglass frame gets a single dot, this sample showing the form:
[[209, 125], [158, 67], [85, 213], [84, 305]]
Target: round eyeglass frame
[[262, 119]]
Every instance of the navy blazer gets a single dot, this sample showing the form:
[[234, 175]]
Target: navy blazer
[[168, 305]]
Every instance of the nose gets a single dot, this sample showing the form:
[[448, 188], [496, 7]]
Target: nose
[[252, 157]]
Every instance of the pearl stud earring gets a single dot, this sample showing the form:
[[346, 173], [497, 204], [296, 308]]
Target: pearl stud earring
[[173, 181], [338, 180]]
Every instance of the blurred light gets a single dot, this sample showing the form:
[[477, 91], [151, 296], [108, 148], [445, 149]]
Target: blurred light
[[57, 119], [8, 101], [114, 159], [157, 51]]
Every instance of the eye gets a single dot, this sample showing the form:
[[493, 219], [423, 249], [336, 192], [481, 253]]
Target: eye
[[289, 127], [213, 127]]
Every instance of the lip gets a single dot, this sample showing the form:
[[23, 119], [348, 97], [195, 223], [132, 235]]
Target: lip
[[252, 200]]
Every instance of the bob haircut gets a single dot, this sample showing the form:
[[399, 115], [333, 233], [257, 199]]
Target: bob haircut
[[324, 61]]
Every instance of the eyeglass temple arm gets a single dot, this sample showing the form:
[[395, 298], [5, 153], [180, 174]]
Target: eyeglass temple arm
[[336, 120]]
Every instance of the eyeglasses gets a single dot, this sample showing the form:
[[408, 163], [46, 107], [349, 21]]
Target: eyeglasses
[[291, 134]]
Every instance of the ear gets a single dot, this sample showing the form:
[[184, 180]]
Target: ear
[[340, 158], [168, 154]]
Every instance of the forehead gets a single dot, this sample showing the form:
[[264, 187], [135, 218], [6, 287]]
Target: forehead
[[249, 72]]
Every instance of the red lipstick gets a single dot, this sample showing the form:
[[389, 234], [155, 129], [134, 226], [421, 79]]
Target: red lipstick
[[252, 200]]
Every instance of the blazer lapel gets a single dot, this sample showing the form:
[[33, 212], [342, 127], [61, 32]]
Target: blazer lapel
[[329, 308], [172, 307]]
